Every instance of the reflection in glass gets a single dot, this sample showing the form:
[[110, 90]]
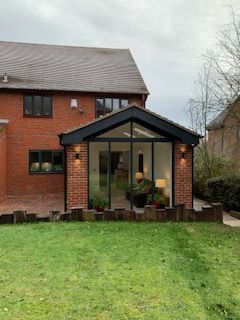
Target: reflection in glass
[[120, 174], [98, 173]]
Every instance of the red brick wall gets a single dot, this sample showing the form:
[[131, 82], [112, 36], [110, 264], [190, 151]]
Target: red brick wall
[[77, 176], [183, 175], [3, 176], [25, 134]]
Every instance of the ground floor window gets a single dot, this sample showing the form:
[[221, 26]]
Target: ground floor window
[[130, 174], [46, 161]]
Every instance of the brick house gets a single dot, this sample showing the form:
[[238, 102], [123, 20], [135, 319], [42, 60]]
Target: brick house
[[224, 133], [73, 123]]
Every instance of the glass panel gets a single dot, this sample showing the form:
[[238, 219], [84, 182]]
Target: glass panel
[[123, 131], [124, 103], [115, 104], [120, 175], [47, 106], [34, 161], [28, 105], [108, 105], [46, 163], [142, 175], [37, 105], [142, 132], [163, 173], [99, 107], [98, 175], [57, 161]]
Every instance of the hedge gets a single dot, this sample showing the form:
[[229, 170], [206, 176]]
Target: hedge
[[225, 189]]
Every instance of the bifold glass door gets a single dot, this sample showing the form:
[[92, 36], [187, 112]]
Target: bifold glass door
[[130, 174]]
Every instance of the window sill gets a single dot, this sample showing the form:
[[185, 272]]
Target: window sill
[[30, 116], [39, 172]]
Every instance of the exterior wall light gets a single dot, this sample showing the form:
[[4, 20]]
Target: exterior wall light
[[77, 156], [183, 155]]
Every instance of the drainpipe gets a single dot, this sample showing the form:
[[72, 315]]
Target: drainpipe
[[65, 173]]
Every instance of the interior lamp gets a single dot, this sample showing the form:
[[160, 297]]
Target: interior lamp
[[139, 176], [160, 183]]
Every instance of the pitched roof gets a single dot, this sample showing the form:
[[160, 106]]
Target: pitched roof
[[69, 68], [137, 113], [218, 121]]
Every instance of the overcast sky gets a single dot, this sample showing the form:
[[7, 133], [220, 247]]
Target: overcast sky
[[166, 37]]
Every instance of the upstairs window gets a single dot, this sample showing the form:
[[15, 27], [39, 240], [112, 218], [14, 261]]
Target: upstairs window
[[46, 161], [37, 106], [106, 105]]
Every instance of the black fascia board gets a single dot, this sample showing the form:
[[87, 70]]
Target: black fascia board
[[136, 114]]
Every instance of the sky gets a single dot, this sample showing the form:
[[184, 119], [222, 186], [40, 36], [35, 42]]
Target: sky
[[166, 38]]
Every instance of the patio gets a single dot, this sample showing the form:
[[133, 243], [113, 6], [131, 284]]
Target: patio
[[37, 204]]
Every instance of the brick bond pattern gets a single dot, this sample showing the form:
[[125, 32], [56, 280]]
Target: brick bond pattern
[[3, 177], [24, 134], [183, 175], [77, 176]]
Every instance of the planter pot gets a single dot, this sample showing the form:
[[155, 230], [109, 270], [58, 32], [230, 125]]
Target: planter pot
[[99, 209]]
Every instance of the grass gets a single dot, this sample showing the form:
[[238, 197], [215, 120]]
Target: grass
[[119, 271]]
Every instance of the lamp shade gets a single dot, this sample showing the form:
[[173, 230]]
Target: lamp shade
[[139, 175], [160, 183], [46, 166]]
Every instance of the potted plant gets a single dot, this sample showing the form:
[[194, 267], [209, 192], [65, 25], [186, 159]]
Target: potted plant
[[159, 200], [99, 204]]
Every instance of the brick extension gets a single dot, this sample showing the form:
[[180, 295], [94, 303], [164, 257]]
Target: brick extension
[[183, 175]]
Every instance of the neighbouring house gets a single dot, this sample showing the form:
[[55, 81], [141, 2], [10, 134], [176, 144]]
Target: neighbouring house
[[224, 133], [73, 123]]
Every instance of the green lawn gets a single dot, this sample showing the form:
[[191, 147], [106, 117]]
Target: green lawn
[[119, 270]]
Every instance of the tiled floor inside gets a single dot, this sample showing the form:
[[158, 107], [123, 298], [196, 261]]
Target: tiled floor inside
[[33, 204]]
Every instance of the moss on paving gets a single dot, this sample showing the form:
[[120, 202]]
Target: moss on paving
[[119, 270]]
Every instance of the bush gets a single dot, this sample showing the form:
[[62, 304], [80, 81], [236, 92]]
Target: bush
[[225, 189]]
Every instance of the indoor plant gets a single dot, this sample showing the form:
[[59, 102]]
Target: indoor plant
[[159, 200]]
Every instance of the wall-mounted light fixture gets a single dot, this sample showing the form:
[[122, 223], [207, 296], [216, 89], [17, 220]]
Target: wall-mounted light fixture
[[183, 155], [77, 156], [73, 103]]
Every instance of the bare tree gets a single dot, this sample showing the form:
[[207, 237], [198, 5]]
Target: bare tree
[[225, 62]]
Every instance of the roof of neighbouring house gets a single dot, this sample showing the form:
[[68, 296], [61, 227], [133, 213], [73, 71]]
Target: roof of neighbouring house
[[138, 114], [69, 68], [217, 122]]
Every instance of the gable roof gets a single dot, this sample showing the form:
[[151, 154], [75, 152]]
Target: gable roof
[[217, 122], [69, 68], [140, 115]]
